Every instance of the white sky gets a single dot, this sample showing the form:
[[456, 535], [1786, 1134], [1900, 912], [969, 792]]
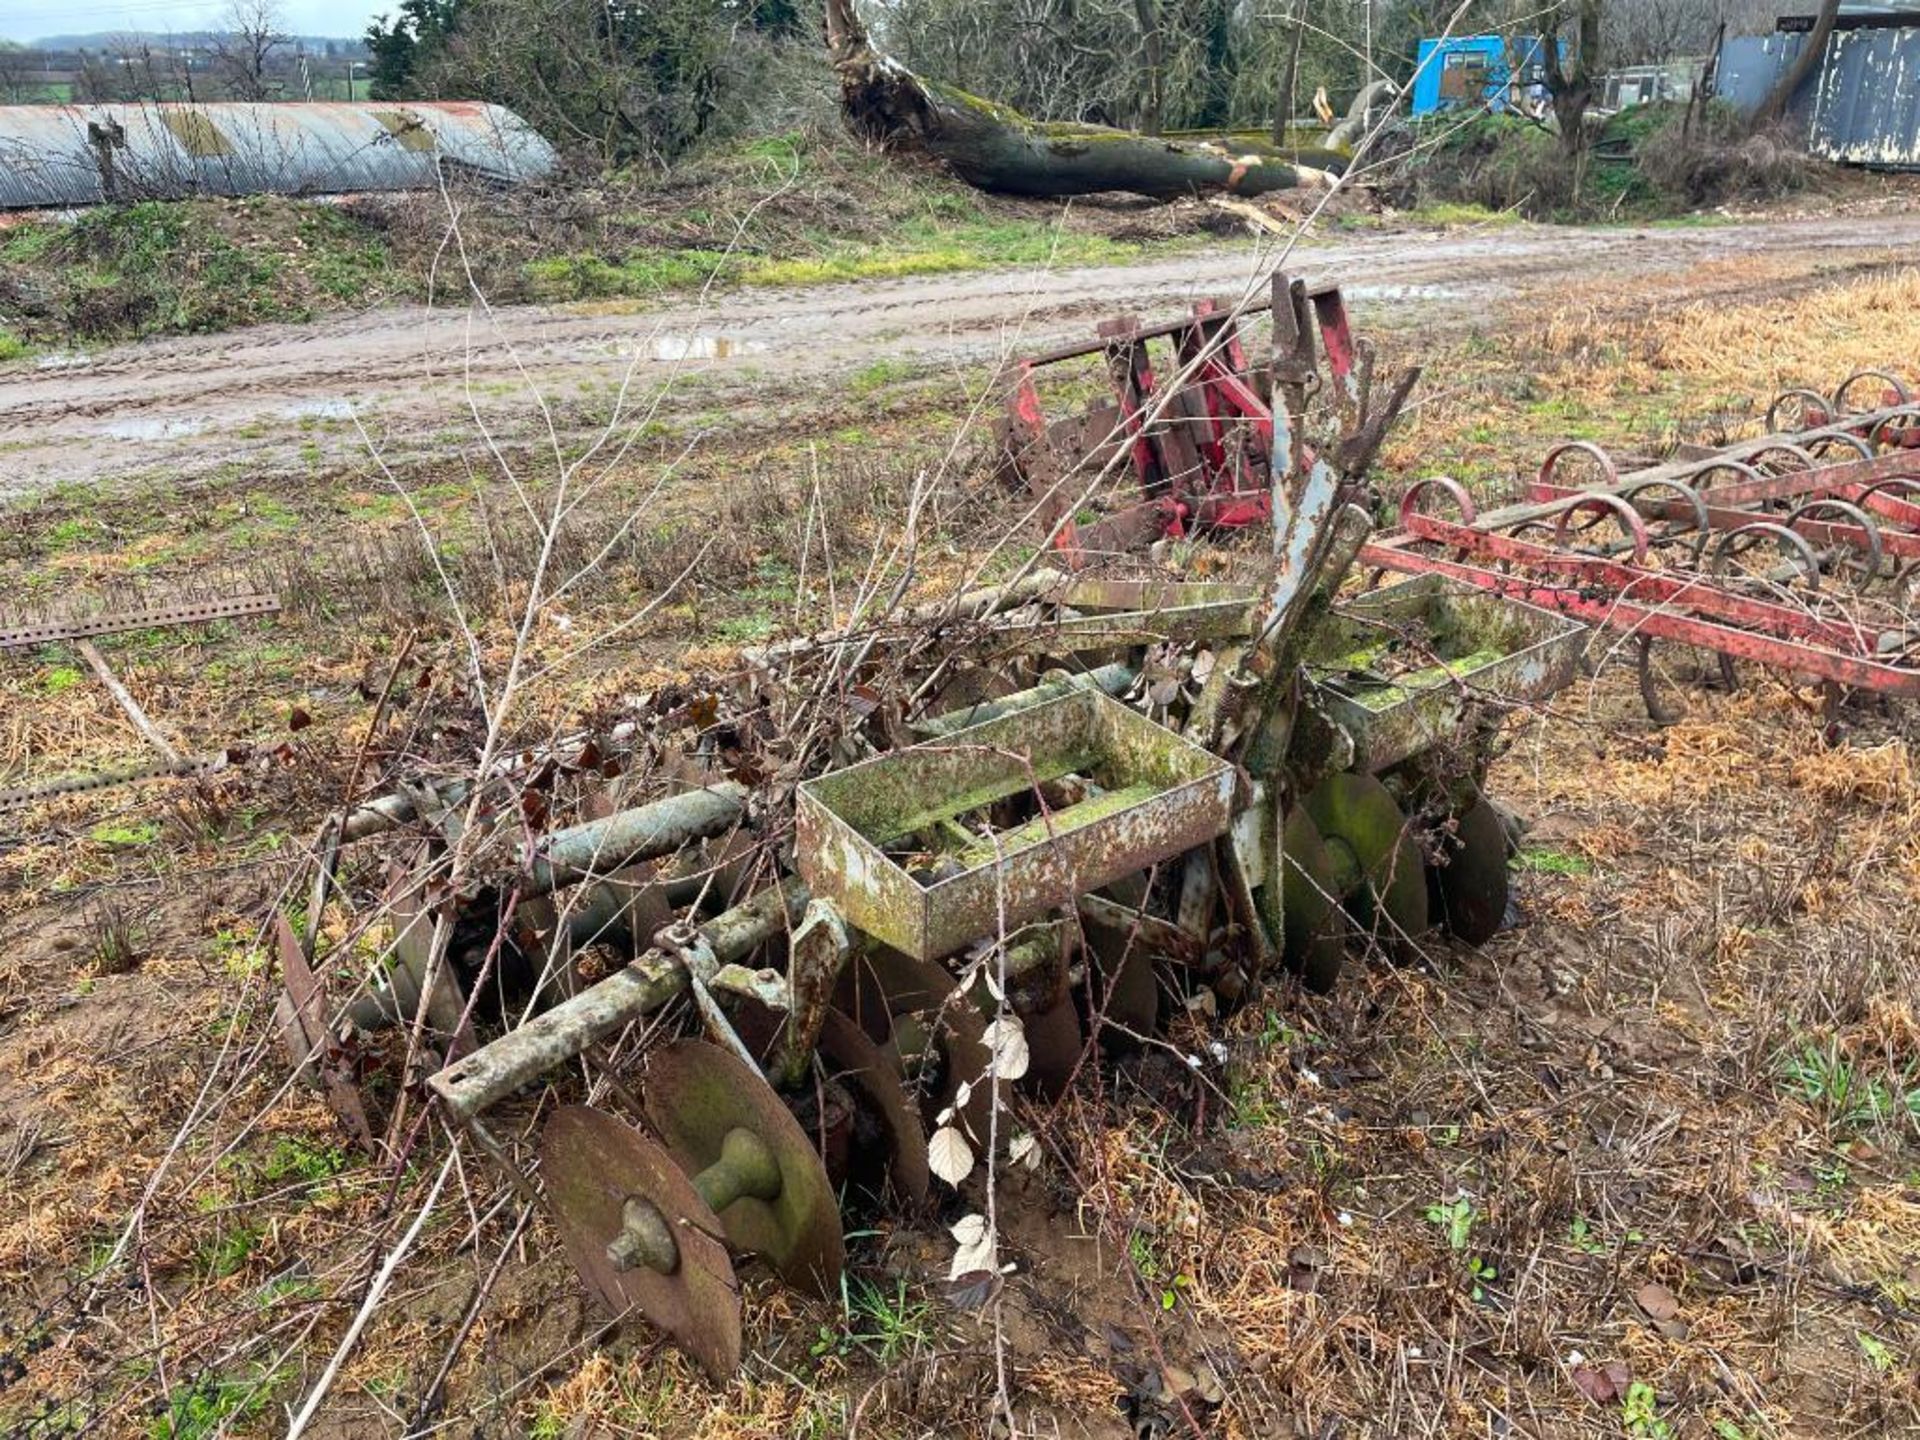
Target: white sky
[[30, 19]]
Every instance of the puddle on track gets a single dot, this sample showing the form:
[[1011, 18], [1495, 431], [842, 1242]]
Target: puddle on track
[[318, 410], [154, 429], [1410, 291], [690, 347]]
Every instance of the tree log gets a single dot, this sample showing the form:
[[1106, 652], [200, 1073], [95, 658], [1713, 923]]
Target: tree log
[[1780, 98], [992, 147]]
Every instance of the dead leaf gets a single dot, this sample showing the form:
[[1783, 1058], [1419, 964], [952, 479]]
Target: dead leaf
[[1602, 1384], [299, 719], [1207, 1386], [972, 1291], [977, 1249], [1007, 1039], [1657, 1300], [949, 1156]]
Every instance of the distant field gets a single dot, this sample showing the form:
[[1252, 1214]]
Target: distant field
[[56, 92], [325, 87]]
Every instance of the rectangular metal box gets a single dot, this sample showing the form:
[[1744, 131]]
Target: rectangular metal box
[[1159, 796]]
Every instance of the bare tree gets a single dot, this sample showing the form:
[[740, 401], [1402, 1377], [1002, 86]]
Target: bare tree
[[101, 79], [16, 64], [1774, 107], [1647, 32], [997, 148], [1153, 100], [244, 53], [1570, 83], [1289, 77], [143, 72]]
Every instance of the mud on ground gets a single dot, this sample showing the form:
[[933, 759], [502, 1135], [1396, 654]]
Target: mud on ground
[[1645, 1165]]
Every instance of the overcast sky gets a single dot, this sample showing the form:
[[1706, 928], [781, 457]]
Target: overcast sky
[[30, 19]]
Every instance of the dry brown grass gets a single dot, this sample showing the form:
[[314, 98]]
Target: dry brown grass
[[1737, 345]]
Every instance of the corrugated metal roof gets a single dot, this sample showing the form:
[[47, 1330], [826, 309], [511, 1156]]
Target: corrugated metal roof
[[61, 155]]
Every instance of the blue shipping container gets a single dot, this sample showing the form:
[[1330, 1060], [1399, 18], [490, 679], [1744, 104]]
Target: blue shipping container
[[1478, 70]]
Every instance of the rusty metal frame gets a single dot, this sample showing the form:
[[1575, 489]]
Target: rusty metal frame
[[1166, 795], [1860, 510], [1182, 462]]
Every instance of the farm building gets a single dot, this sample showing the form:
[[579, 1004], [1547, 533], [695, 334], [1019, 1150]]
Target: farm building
[[67, 155], [1860, 104], [1474, 70], [1674, 81]]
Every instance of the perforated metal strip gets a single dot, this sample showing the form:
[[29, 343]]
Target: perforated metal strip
[[186, 614], [24, 795]]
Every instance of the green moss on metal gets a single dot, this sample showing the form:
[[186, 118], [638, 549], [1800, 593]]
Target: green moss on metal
[[1415, 682], [893, 805], [1061, 822]]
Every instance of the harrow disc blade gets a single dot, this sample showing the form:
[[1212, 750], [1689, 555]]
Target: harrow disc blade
[[696, 1095], [594, 1164], [854, 1060], [1054, 1043], [1313, 922], [881, 986], [1126, 999], [1359, 815], [1473, 883]]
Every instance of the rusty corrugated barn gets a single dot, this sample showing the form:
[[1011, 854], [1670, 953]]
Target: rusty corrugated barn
[[55, 156]]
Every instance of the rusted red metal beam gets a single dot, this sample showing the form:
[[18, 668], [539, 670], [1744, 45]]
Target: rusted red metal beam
[[1698, 594], [1603, 606]]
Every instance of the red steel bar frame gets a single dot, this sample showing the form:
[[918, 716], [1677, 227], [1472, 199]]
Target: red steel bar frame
[[1185, 471], [1870, 504]]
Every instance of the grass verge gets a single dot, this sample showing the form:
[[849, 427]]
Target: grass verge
[[790, 210]]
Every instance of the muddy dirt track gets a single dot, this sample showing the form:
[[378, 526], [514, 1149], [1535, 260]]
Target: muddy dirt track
[[293, 397]]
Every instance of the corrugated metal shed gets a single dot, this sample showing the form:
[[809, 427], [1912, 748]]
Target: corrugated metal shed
[[86, 154], [1862, 105], [1750, 66], [1866, 106]]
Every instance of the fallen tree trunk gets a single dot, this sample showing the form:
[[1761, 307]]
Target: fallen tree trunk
[[1241, 143], [995, 148]]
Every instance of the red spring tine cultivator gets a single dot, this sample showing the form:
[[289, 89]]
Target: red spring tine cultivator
[[1193, 432], [1799, 550]]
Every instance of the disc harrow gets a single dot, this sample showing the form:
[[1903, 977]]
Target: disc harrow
[[801, 991]]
